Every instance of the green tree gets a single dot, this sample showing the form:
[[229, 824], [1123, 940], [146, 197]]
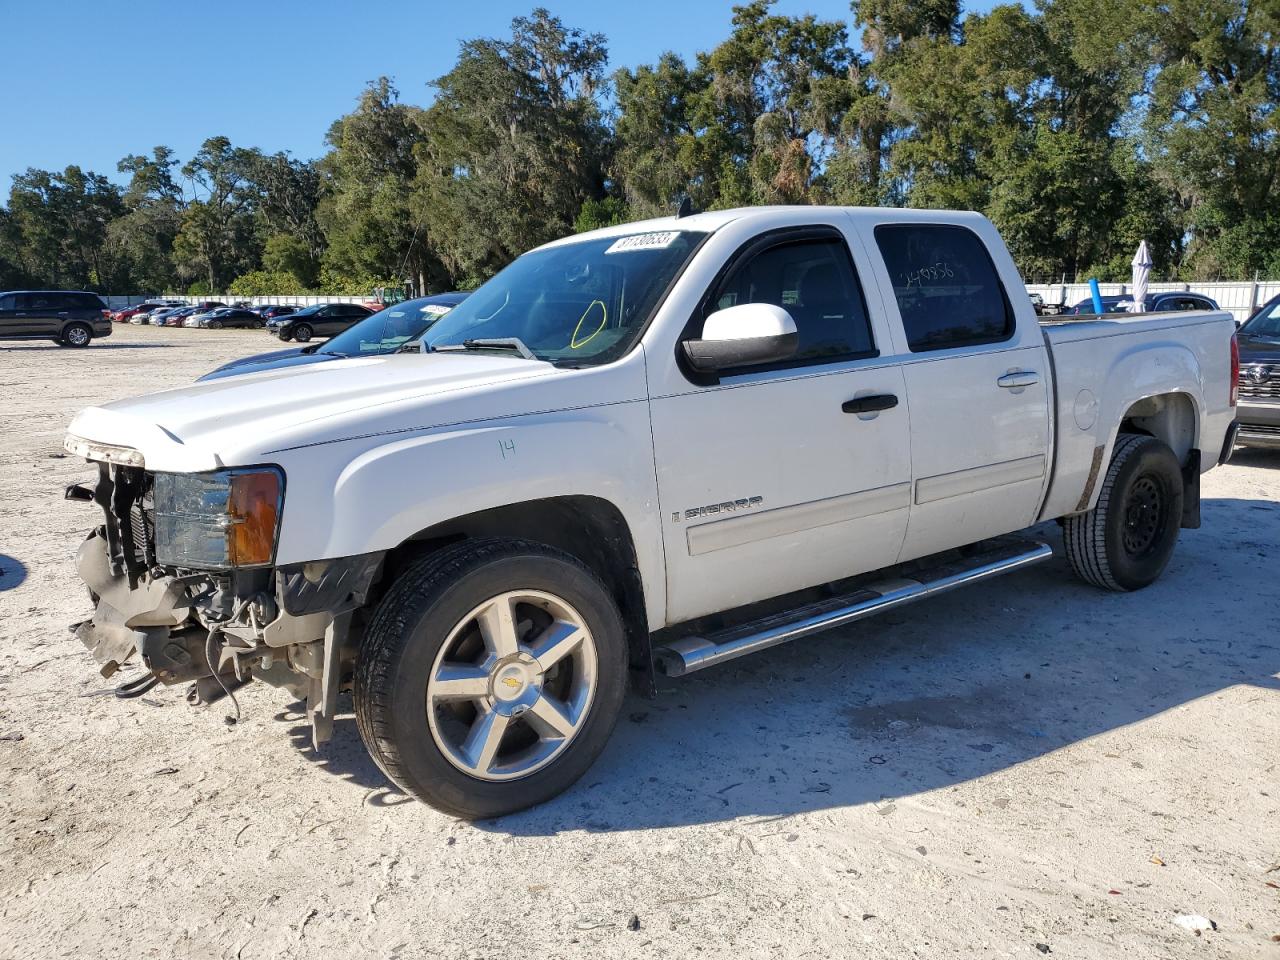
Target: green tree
[[60, 221], [656, 161], [217, 240], [287, 254], [143, 236], [288, 192], [365, 211], [1213, 130], [515, 144]]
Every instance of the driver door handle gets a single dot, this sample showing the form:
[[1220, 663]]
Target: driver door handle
[[878, 401], [1019, 378]]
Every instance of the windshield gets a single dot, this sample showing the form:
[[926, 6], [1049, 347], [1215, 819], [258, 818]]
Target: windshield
[[1264, 323], [387, 329], [577, 303]]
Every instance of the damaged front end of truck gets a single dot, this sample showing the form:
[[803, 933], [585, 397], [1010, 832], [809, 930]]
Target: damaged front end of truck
[[183, 577]]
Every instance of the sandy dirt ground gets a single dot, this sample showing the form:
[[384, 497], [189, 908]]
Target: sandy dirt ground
[[1028, 767]]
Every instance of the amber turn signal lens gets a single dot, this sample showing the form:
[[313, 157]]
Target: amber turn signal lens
[[253, 510]]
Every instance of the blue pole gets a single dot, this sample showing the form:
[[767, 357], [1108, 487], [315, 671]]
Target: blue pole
[[1096, 294]]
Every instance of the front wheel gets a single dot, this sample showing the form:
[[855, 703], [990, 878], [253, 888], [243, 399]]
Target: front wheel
[[1125, 542], [491, 676], [302, 332], [214, 324]]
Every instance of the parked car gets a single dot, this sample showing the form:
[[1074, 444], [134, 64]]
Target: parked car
[[470, 536], [227, 317], [1044, 309], [175, 317], [323, 320], [1152, 303], [1259, 411], [71, 318], [121, 316], [384, 332], [192, 319], [271, 311], [157, 317], [144, 307]]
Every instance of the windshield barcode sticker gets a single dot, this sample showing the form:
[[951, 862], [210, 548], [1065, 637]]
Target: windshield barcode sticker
[[643, 241]]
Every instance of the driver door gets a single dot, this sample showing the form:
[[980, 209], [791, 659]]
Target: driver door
[[773, 479]]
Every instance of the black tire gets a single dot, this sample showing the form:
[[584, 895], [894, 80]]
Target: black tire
[[76, 335], [214, 325], [302, 332], [400, 647], [1125, 542]]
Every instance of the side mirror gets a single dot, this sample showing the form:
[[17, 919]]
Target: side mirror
[[741, 336]]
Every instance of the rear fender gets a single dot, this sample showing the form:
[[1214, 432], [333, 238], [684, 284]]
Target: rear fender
[[1090, 418]]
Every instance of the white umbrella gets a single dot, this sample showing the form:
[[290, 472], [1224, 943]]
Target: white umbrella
[[1141, 274]]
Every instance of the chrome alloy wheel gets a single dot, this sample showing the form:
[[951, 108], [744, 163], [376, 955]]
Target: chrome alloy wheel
[[511, 685]]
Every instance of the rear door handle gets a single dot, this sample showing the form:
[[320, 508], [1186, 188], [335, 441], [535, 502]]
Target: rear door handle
[[871, 404], [1019, 378]]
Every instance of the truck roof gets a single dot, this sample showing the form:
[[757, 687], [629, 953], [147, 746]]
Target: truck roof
[[713, 220]]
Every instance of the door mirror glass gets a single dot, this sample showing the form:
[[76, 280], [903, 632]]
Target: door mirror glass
[[741, 336]]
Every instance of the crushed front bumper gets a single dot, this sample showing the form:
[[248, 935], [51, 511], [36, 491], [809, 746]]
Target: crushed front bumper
[[294, 626]]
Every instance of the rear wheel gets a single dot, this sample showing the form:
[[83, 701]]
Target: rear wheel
[[1125, 542], [76, 335], [491, 676], [302, 332]]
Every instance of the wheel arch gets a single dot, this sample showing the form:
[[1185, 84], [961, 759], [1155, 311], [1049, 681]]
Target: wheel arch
[[589, 528], [1169, 417]]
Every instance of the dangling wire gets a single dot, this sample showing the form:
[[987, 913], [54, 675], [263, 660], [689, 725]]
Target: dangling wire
[[210, 655], [574, 343]]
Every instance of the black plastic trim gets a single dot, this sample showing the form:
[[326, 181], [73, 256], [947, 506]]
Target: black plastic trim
[[871, 404], [1229, 442], [1191, 491]]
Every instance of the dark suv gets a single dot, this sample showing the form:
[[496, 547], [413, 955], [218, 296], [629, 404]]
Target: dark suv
[[68, 317]]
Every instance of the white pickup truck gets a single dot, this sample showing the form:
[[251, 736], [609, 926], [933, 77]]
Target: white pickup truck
[[655, 446]]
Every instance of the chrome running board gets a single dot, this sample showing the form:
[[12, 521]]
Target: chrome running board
[[691, 653]]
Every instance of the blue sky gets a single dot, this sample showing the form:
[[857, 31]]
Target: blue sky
[[88, 81]]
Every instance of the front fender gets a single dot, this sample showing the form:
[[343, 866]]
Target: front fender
[[342, 502]]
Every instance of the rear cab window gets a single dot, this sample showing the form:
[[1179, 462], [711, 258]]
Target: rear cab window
[[946, 286]]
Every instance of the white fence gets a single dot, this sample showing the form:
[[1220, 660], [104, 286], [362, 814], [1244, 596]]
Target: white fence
[[301, 300], [1241, 298]]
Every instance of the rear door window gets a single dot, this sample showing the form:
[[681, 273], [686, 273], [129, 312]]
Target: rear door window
[[8, 302], [947, 288]]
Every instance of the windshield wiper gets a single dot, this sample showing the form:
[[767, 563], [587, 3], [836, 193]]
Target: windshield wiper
[[492, 343]]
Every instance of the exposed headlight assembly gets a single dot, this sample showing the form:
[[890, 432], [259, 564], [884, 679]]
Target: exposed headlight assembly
[[218, 521]]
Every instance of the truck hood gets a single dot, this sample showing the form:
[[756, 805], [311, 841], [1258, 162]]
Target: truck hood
[[245, 419]]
